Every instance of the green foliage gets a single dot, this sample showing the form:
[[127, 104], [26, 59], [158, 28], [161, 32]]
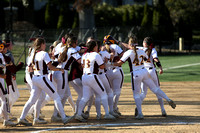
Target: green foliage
[[107, 15], [50, 16], [162, 22], [125, 18], [60, 23], [76, 22], [147, 17]]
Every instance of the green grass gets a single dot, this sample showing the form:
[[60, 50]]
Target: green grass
[[191, 73]]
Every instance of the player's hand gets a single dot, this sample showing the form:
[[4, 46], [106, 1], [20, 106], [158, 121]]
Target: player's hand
[[14, 77], [62, 70], [3, 76], [161, 71]]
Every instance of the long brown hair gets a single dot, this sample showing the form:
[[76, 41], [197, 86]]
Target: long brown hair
[[36, 45], [63, 55], [148, 41], [133, 40], [90, 45]]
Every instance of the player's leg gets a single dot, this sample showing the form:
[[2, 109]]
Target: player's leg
[[117, 85], [155, 89], [77, 85], [137, 79], [67, 94], [154, 77]]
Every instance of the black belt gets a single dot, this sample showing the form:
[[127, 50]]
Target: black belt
[[150, 68], [88, 73], [113, 68], [100, 73]]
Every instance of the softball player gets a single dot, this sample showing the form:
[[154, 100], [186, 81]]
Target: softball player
[[115, 73], [103, 77], [68, 55], [38, 64], [140, 74], [61, 79], [28, 82], [90, 80], [149, 65], [3, 91]]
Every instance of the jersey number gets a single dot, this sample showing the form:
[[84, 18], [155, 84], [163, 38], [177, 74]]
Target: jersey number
[[87, 65], [36, 66], [139, 63]]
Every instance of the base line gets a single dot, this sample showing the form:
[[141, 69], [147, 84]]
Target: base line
[[120, 124]]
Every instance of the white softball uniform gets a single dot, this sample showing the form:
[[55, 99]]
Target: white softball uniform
[[150, 66], [115, 75], [103, 77], [29, 84], [140, 74], [41, 82], [91, 81], [3, 92]]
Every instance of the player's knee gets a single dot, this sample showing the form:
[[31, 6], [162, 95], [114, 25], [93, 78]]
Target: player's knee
[[155, 90], [103, 97], [57, 99], [110, 94], [136, 96], [84, 99], [97, 99], [117, 93]]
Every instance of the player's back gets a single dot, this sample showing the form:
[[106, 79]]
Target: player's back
[[91, 61]]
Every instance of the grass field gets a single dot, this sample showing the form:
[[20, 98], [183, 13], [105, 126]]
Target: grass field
[[184, 73]]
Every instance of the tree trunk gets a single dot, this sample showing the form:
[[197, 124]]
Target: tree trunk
[[86, 24]]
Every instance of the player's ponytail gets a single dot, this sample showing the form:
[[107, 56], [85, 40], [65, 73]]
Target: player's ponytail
[[133, 43], [36, 46], [63, 55], [149, 43]]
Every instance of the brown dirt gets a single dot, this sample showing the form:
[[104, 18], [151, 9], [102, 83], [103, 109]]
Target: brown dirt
[[185, 118]]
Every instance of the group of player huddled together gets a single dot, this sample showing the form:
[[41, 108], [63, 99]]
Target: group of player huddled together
[[94, 70]]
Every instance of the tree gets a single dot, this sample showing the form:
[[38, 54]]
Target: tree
[[162, 24], [86, 17], [147, 18]]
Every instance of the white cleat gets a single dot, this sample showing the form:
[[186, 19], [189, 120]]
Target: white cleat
[[172, 104], [38, 122], [9, 123], [24, 122], [109, 117], [80, 118]]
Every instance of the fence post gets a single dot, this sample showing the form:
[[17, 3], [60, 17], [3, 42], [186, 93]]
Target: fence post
[[181, 44]]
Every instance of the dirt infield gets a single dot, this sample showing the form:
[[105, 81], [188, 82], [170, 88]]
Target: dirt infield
[[185, 118]]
